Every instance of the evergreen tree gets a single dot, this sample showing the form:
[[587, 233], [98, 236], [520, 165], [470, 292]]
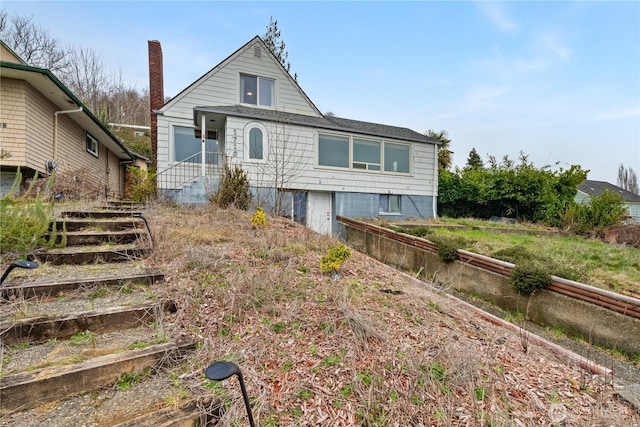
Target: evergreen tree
[[474, 161], [276, 46]]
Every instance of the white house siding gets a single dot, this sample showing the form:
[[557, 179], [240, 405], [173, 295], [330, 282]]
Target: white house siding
[[221, 86], [308, 176]]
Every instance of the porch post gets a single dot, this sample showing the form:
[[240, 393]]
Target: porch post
[[203, 135]]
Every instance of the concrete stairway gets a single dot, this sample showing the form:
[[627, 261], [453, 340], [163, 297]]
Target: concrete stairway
[[84, 339]]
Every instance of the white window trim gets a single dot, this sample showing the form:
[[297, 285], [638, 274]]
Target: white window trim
[[95, 153], [350, 137], [172, 138], [265, 142], [257, 104]]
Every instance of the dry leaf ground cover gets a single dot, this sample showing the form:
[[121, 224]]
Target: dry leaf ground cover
[[371, 347]]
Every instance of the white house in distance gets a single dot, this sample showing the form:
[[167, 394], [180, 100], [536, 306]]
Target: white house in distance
[[249, 111]]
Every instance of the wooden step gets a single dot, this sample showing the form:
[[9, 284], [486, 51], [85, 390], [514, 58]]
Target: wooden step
[[92, 254], [44, 328], [25, 390], [102, 214], [90, 237], [97, 224]]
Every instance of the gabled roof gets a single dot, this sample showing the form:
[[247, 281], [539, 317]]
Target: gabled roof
[[233, 55], [326, 122], [596, 188], [12, 55], [50, 87]]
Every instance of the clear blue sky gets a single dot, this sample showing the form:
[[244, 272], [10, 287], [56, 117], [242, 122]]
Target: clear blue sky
[[557, 80]]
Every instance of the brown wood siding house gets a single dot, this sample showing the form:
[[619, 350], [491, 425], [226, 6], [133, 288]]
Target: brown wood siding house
[[41, 120]]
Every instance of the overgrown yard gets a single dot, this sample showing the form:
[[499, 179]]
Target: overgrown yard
[[591, 261], [370, 346]]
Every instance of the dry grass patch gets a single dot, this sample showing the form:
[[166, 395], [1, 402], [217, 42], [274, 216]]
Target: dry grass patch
[[372, 347]]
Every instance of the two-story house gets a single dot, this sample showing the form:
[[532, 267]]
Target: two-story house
[[249, 111]]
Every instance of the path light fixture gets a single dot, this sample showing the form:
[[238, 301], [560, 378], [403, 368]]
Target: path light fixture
[[220, 371], [20, 263]]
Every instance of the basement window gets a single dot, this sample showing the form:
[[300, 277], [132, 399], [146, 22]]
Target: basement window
[[390, 204], [92, 145]]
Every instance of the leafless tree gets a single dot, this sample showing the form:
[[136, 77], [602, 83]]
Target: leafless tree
[[282, 163], [32, 43], [627, 179], [81, 69]]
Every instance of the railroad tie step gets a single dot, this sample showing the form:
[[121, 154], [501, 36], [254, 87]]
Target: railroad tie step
[[46, 328], [26, 390]]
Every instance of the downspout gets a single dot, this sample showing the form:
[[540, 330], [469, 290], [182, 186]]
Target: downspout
[[435, 180], [55, 128]]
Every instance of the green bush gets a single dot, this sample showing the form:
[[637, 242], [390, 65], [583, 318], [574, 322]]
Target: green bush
[[600, 212], [233, 189], [143, 184], [24, 220], [336, 256], [448, 246], [529, 278]]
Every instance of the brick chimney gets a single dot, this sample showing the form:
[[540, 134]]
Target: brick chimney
[[156, 94]]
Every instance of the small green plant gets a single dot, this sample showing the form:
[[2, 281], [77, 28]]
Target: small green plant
[[259, 219], [126, 380], [305, 394], [336, 256], [527, 279], [480, 392], [97, 293], [84, 337], [286, 366], [332, 360], [434, 306], [435, 371], [346, 390]]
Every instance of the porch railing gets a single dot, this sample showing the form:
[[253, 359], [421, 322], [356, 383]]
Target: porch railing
[[187, 171]]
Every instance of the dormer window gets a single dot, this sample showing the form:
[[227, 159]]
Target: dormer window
[[257, 90]]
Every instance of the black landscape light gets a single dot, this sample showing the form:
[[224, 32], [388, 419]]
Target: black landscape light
[[221, 371], [20, 263]]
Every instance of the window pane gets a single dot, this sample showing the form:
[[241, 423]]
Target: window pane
[[396, 158], [394, 204], [266, 87], [248, 89], [255, 144], [366, 154], [186, 144], [333, 151]]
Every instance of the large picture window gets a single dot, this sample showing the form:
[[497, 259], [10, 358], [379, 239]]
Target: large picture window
[[366, 154], [333, 151], [187, 143], [257, 90], [396, 158], [363, 154]]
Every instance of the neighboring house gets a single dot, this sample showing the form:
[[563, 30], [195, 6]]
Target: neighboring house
[[43, 126], [589, 189], [249, 111]]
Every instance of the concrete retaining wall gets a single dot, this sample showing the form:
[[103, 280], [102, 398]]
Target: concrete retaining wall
[[596, 325]]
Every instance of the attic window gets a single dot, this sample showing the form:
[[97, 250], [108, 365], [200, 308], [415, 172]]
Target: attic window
[[257, 90], [257, 52]]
